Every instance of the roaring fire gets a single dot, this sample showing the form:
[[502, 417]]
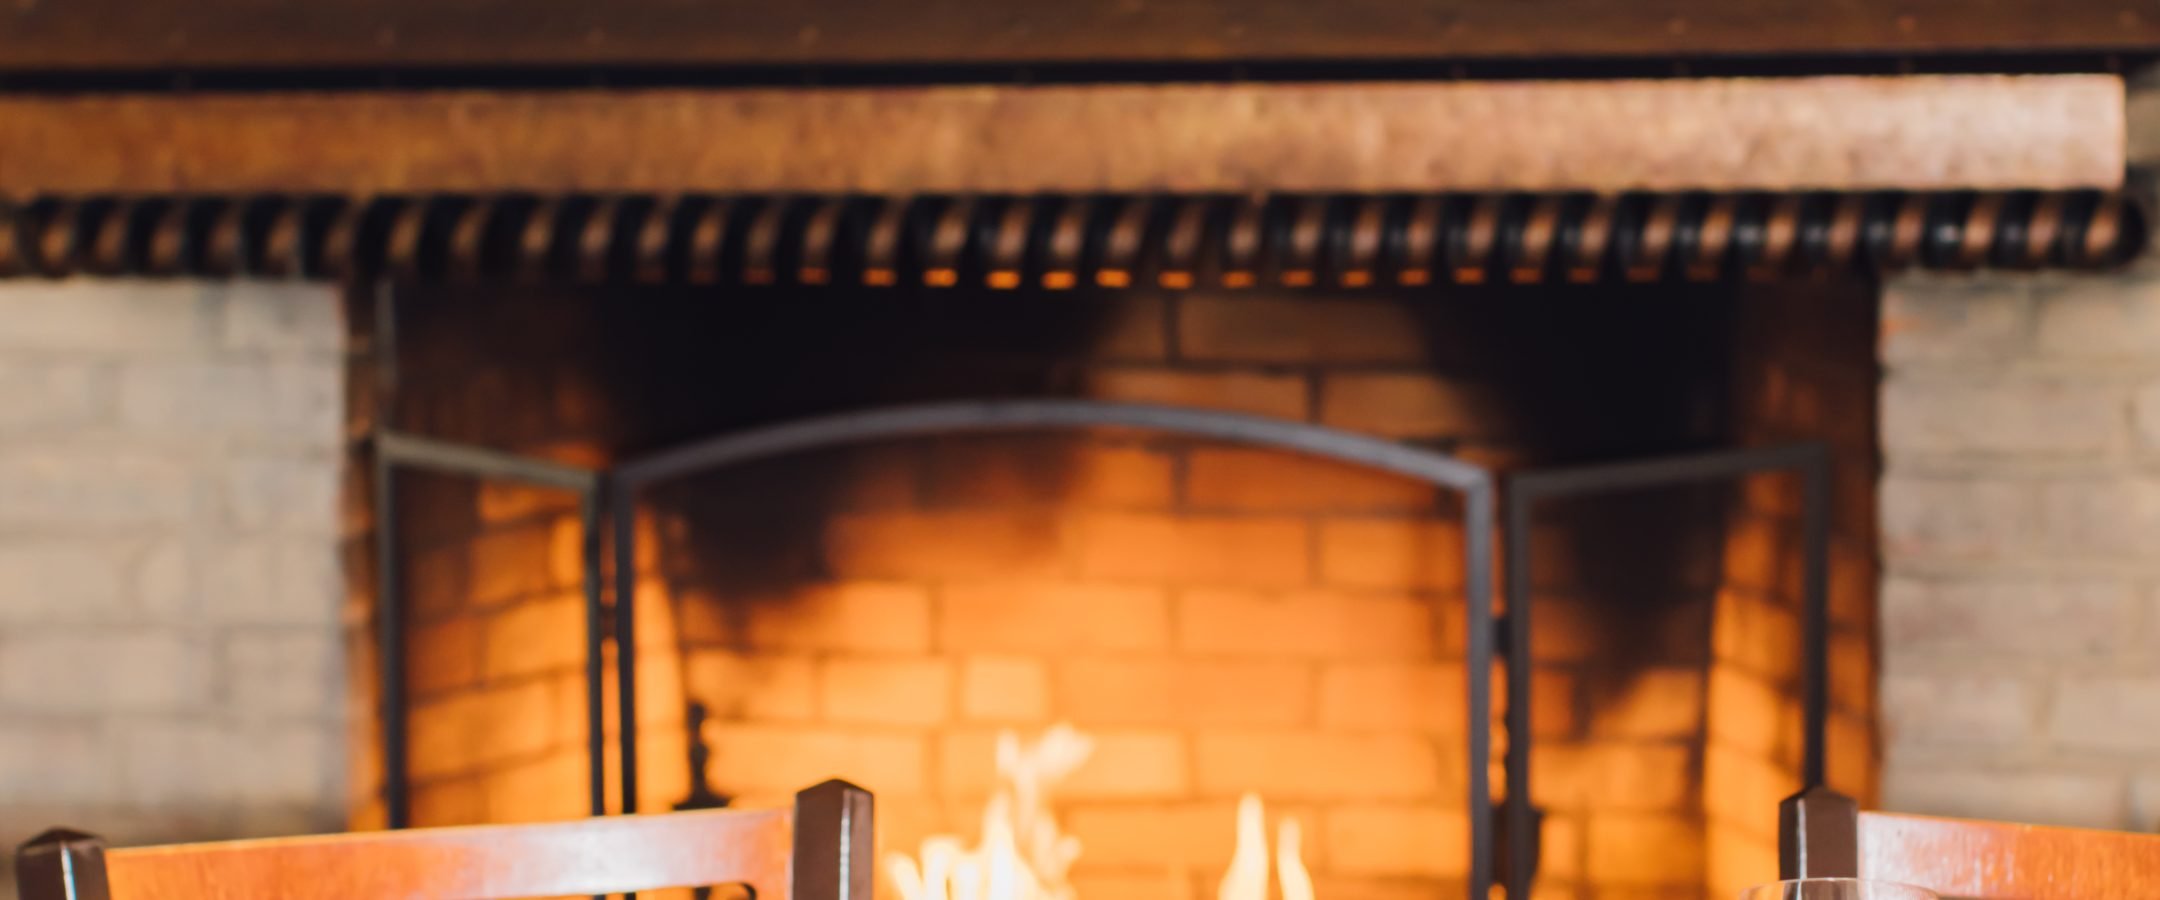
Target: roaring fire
[[1023, 855]]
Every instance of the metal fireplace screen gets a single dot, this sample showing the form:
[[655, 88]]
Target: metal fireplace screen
[[608, 500]]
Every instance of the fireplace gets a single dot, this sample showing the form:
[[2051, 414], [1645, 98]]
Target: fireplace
[[1218, 618], [1152, 433]]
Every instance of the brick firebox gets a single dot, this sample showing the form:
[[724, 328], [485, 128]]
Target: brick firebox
[[1220, 619], [2040, 613]]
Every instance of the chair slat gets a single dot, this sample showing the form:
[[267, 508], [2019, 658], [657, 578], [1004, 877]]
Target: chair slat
[[818, 850], [1965, 858], [590, 856]]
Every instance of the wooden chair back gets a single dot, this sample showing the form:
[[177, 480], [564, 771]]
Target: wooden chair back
[[1965, 858], [1824, 835], [818, 850]]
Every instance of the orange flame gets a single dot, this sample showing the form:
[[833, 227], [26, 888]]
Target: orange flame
[[1024, 855], [1247, 878]]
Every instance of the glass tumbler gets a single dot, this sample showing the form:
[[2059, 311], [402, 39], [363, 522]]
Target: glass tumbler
[[1836, 889]]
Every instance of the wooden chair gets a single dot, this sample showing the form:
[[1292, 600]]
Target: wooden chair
[[1824, 835], [819, 850]]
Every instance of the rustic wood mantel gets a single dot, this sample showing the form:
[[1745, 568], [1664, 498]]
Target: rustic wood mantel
[[252, 34], [1830, 133]]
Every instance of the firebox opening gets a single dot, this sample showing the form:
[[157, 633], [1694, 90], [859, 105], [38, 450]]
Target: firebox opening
[[1218, 619]]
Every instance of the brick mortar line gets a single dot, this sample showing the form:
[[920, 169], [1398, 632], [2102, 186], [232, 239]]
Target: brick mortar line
[[1932, 567], [1320, 366], [2022, 467], [1280, 366], [2108, 466], [166, 354], [2021, 759], [1938, 660], [152, 442], [511, 682], [1972, 568], [2022, 366]]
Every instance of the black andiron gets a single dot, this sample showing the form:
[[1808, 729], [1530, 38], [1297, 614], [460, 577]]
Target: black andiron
[[702, 795]]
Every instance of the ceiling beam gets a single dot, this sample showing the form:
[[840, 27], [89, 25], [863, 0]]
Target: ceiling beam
[[134, 34], [1844, 133]]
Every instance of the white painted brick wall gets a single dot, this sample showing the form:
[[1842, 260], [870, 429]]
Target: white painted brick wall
[[2021, 545], [170, 656]]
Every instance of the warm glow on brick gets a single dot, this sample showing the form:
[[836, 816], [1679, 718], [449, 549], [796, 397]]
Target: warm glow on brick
[[498, 723], [1219, 619]]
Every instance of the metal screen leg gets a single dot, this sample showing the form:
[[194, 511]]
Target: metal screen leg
[[625, 514], [390, 640], [1521, 839], [1477, 657], [592, 525], [1815, 601]]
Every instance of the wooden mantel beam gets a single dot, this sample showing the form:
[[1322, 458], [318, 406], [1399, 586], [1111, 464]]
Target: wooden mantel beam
[[1845, 133], [390, 34]]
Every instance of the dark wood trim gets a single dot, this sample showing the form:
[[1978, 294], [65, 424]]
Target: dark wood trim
[[90, 34], [1063, 242], [1833, 133]]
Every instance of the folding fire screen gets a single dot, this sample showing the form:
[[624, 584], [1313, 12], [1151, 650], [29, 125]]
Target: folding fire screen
[[611, 496]]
